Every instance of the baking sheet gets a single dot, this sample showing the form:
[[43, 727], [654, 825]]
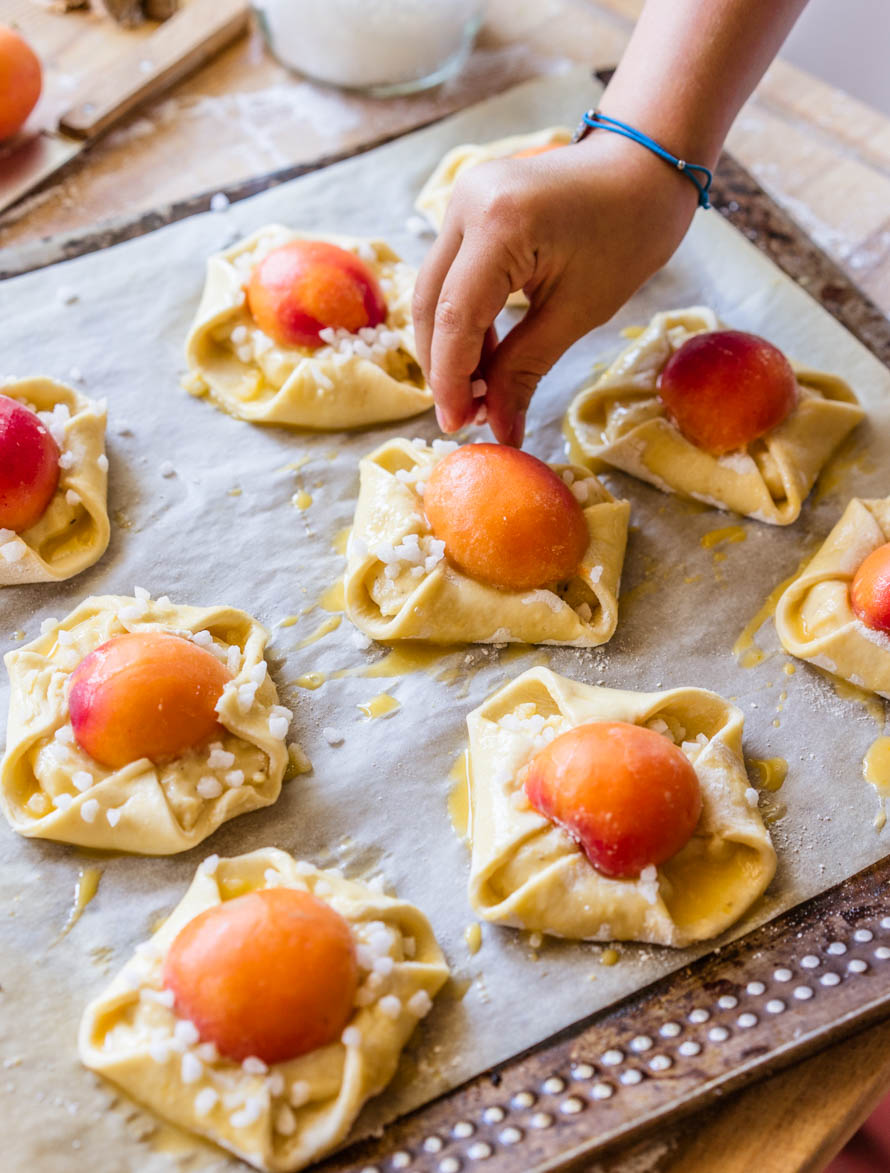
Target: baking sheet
[[378, 802]]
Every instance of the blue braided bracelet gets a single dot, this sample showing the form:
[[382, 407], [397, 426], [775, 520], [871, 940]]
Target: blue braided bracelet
[[593, 120]]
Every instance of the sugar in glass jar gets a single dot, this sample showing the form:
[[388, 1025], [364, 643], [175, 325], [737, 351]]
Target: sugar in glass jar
[[381, 47]]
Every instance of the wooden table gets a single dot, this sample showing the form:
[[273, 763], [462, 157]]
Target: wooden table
[[809, 146]]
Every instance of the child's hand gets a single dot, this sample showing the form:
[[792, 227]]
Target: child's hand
[[579, 229]]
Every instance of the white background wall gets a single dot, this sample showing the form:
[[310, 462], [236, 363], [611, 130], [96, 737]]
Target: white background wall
[[846, 43]]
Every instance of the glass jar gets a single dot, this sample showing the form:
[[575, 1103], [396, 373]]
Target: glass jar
[[381, 47]]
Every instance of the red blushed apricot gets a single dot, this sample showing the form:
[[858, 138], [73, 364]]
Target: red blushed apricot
[[870, 590], [528, 152], [303, 287], [29, 466], [20, 82], [271, 974], [505, 517], [144, 695], [726, 388], [626, 795]]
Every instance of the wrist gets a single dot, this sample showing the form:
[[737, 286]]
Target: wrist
[[687, 133], [697, 174], [639, 170]]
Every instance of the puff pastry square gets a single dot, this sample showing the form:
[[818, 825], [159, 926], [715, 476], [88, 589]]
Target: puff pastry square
[[528, 873], [52, 789], [399, 585], [73, 532], [814, 619], [619, 419], [285, 1116], [362, 379]]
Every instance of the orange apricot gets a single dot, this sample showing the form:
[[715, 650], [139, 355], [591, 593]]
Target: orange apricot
[[20, 82], [29, 466], [272, 974], [528, 152], [303, 287], [144, 695], [725, 388], [870, 590], [628, 796], [505, 517]]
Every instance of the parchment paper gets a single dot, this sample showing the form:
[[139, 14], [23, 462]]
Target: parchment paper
[[379, 801]]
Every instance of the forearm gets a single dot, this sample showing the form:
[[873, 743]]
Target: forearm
[[690, 66]]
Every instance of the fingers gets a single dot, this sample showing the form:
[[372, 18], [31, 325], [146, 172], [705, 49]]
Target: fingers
[[427, 288], [478, 386], [489, 346], [523, 357], [473, 293]]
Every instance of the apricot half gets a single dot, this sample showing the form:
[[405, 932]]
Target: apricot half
[[29, 466], [303, 287], [870, 590], [144, 695], [725, 388], [626, 795], [20, 81], [272, 974], [505, 517]]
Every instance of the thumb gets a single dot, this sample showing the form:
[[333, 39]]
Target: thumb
[[517, 365]]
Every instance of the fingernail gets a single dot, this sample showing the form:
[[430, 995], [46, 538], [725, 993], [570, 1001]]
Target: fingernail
[[517, 432], [478, 388], [481, 416], [445, 421]]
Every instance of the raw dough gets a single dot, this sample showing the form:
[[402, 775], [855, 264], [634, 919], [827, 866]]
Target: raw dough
[[257, 380], [528, 873], [814, 619], [619, 419], [399, 585], [436, 192], [283, 1117], [73, 533], [52, 789]]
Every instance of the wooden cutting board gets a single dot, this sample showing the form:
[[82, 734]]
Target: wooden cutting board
[[138, 73]]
